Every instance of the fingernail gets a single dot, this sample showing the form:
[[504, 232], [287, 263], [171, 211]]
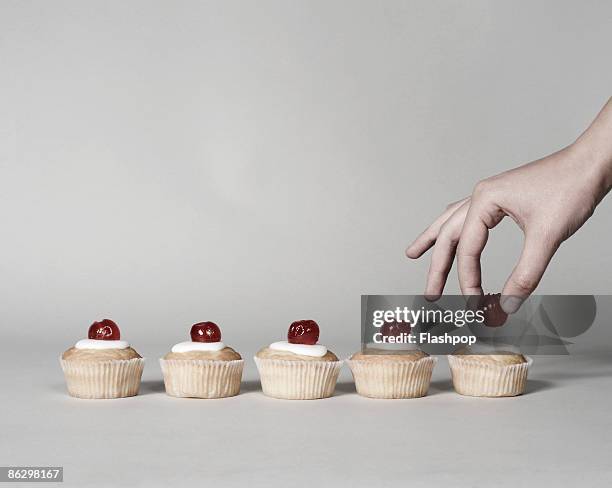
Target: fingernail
[[511, 304]]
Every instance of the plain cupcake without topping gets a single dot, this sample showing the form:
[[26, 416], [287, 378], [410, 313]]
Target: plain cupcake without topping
[[498, 374], [103, 365], [203, 367], [299, 368]]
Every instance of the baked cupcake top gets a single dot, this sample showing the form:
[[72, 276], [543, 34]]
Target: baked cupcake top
[[205, 345], [301, 345], [103, 343], [501, 358], [378, 355]]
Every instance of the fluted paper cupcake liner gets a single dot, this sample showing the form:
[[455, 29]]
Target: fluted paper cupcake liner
[[196, 378], [473, 378], [392, 379], [298, 380], [103, 379]]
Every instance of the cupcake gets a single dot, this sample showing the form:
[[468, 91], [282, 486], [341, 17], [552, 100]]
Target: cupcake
[[299, 368], [392, 374], [499, 374], [203, 367], [103, 365]]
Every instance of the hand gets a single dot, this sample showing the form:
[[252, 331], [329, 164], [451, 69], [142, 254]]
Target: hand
[[549, 199]]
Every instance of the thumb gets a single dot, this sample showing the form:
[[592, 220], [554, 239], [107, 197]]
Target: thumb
[[537, 253]]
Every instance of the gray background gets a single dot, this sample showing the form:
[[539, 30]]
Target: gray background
[[254, 163]]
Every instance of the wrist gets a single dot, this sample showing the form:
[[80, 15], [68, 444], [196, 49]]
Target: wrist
[[596, 160], [594, 146]]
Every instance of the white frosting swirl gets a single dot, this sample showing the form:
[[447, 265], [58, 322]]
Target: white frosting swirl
[[100, 344], [197, 346], [316, 350]]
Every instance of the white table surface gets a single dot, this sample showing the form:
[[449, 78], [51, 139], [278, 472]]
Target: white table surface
[[558, 434]]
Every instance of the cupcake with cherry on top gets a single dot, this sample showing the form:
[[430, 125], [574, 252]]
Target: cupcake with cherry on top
[[391, 373], [299, 368], [203, 367], [103, 365]]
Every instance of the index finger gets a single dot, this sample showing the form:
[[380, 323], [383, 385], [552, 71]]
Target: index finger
[[429, 236]]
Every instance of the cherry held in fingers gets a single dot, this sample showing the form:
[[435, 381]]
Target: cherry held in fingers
[[494, 316]]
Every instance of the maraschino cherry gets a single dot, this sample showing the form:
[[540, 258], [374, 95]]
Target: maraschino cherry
[[494, 316], [205, 332], [303, 332], [394, 328], [105, 330]]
